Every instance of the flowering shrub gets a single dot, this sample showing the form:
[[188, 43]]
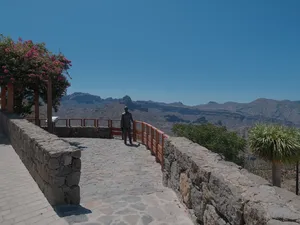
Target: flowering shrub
[[28, 66]]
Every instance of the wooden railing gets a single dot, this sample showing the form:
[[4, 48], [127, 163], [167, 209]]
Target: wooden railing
[[151, 137], [144, 133], [79, 122]]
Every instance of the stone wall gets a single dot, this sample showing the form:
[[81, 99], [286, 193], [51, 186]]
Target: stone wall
[[221, 193], [54, 164], [83, 132]]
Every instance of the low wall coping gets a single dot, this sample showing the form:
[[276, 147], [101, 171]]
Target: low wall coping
[[216, 190], [54, 164]]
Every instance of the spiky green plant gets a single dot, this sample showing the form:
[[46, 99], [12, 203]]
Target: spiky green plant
[[277, 144]]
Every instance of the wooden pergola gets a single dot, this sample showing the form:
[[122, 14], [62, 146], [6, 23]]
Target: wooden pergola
[[7, 103]]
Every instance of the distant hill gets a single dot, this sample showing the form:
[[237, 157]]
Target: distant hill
[[233, 115]]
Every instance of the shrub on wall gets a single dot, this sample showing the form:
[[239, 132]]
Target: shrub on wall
[[217, 139]]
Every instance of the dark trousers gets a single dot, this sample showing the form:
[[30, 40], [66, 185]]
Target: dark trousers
[[127, 131]]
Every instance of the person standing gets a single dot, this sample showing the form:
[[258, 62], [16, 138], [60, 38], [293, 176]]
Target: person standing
[[126, 121]]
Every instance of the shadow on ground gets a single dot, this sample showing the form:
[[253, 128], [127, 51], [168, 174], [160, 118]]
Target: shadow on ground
[[76, 144], [134, 145], [72, 213]]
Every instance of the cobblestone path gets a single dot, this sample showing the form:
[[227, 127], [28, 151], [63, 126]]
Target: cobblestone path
[[21, 201], [122, 185]]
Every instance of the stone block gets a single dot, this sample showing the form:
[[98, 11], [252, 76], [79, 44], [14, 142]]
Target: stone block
[[43, 174], [76, 164], [185, 189], [53, 163], [221, 193], [73, 195], [198, 203], [73, 179], [67, 160], [76, 154], [48, 159], [55, 195], [57, 181], [211, 216]]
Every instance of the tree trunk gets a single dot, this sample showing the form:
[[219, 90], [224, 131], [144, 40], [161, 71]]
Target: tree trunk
[[3, 97], [10, 98], [276, 173], [49, 106], [36, 107]]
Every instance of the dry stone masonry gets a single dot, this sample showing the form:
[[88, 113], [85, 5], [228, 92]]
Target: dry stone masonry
[[53, 163], [83, 132], [221, 193]]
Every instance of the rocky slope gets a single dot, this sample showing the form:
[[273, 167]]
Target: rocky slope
[[235, 116]]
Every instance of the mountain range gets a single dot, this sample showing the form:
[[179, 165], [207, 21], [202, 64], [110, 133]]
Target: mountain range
[[235, 116]]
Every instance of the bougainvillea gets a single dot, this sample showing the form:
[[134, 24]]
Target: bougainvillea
[[28, 66]]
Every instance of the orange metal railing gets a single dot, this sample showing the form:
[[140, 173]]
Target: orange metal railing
[[153, 138], [144, 133]]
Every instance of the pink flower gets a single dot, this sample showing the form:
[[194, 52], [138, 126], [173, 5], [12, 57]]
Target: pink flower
[[6, 50], [6, 71], [3, 67]]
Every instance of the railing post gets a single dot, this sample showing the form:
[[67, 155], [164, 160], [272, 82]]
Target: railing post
[[147, 135], [152, 136], [83, 122], [134, 131], [143, 131], [69, 120], [66, 122], [157, 140], [162, 150], [97, 123]]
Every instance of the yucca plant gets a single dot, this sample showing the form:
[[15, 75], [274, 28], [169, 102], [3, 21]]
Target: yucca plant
[[277, 144]]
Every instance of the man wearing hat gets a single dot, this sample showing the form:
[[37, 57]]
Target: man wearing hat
[[126, 121]]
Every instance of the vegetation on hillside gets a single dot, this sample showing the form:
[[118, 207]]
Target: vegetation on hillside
[[28, 66], [277, 144], [216, 138], [274, 143]]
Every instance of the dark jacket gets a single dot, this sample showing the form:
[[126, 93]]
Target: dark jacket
[[126, 120]]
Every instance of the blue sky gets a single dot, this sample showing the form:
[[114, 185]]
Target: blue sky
[[169, 50]]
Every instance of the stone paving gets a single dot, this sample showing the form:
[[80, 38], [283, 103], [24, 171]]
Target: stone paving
[[21, 201], [122, 185]]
